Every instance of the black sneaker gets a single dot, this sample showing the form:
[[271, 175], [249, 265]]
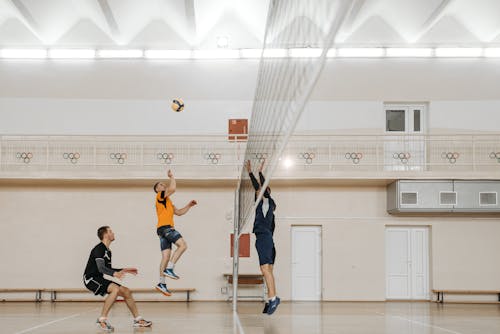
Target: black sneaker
[[273, 305], [266, 307]]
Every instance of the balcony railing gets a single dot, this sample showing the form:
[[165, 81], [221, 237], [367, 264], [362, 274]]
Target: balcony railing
[[214, 157]]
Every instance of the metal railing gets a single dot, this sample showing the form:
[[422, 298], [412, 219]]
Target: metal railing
[[217, 157]]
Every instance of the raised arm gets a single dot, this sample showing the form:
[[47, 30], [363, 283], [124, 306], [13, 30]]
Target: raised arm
[[184, 210], [255, 183], [261, 176], [172, 186]]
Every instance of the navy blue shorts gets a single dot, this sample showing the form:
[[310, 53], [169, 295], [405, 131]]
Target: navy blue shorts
[[265, 248], [168, 236]]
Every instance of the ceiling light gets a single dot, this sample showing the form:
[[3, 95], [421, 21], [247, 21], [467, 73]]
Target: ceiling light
[[216, 54], [305, 53], [408, 52], [360, 52], [71, 53], [275, 53], [250, 53], [167, 54], [331, 53], [492, 52], [120, 53], [23, 53], [459, 52]]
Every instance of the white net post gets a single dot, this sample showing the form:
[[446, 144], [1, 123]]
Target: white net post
[[236, 250]]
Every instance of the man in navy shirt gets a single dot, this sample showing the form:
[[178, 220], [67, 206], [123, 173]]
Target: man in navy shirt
[[263, 228], [98, 265]]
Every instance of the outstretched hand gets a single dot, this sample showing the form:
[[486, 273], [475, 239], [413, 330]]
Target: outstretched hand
[[170, 174], [132, 271], [261, 167], [192, 203], [248, 166]]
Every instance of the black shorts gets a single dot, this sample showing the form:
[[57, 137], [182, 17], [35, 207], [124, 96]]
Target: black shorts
[[168, 236], [97, 285], [264, 244]]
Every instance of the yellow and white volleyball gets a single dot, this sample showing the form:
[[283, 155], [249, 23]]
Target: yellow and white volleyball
[[177, 105]]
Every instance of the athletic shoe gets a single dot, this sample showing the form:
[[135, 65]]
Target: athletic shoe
[[170, 273], [273, 305], [104, 325], [162, 287], [142, 323], [266, 307]]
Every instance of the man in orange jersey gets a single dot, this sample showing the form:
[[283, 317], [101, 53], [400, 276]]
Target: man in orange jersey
[[165, 211]]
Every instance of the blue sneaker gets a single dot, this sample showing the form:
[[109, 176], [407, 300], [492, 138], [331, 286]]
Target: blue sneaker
[[273, 305], [266, 307], [162, 287], [170, 273]]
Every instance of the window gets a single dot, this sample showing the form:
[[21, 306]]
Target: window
[[395, 120]]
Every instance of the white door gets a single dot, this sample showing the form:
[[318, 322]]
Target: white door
[[407, 263], [404, 147], [306, 262]]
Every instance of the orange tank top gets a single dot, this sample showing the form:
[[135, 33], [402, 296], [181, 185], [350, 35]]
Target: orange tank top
[[164, 210]]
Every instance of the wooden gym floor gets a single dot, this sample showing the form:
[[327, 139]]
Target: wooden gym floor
[[217, 318]]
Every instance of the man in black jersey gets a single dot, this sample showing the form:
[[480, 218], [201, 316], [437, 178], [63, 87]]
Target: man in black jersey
[[263, 228], [98, 265]]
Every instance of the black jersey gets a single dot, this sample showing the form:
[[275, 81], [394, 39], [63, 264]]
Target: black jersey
[[99, 262]]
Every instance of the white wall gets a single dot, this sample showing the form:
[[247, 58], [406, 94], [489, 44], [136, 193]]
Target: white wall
[[132, 97], [154, 117], [116, 117], [48, 229]]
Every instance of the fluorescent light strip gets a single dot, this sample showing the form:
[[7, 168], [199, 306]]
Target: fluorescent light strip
[[71, 53], [331, 53], [168, 54], [305, 53], [408, 52], [130, 53], [360, 52], [275, 53], [458, 52], [492, 52], [23, 53], [250, 53], [216, 54]]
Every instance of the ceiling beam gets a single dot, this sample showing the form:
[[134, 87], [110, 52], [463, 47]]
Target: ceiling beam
[[110, 18], [26, 16], [190, 19], [353, 14], [435, 16]]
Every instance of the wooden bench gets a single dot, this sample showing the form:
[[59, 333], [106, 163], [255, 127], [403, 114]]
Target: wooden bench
[[53, 292], [247, 279], [37, 291], [440, 294]]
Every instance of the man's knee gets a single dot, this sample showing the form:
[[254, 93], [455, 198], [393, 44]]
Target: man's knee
[[125, 292], [181, 244], [266, 268]]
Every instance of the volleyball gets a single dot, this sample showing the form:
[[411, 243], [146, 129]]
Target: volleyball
[[177, 105]]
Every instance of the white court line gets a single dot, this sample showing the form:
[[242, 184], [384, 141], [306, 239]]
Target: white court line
[[421, 323], [54, 321], [237, 324]]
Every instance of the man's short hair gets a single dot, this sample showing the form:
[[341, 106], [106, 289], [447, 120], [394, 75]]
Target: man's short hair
[[101, 231], [154, 187]]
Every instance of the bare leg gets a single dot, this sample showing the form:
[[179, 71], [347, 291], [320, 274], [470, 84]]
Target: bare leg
[[165, 257], [129, 300], [110, 299], [181, 248], [267, 271]]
